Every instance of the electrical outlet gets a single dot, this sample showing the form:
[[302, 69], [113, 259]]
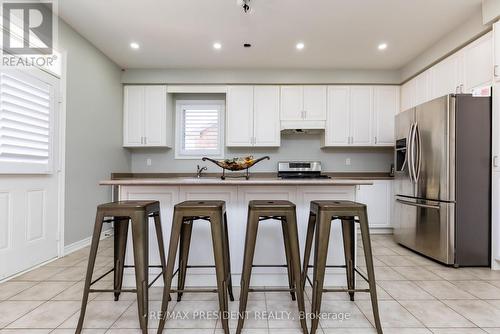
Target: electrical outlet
[[148, 162], [348, 161]]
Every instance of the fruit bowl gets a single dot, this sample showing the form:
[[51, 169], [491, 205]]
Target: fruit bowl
[[236, 164]]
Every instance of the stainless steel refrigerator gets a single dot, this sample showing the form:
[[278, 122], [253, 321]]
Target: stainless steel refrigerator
[[443, 179]]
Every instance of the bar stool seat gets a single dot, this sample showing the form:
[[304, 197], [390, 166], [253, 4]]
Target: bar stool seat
[[185, 213], [283, 211], [121, 213], [322, 213]]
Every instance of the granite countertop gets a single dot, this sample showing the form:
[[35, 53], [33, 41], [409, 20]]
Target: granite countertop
[[347, 179]]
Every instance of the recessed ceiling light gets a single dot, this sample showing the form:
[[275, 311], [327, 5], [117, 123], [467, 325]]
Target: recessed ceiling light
[[134, 45], [299, 46], [382, 46], [217, 46]]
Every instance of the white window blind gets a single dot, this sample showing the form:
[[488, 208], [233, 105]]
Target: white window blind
[[200, 130], [26, 113]]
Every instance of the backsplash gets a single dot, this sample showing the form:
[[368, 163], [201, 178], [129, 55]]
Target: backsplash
[[293, 147]]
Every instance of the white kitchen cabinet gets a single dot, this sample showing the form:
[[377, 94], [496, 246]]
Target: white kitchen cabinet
[[478, 63], [146, 117], [378, 198], [337, 130], [423, 87], [447, 76], [385, 108], [408, 95], [303, 106], [361, 127], [253, 116], [496, 50], [239, 116]]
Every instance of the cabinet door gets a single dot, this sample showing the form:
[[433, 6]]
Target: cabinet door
[[378, 198], [292, 103], [266, 116], [315, 103], [408, 94], [337, 119], [385, 108], [478, 63], [239, 116], [446, 76], [155, 111], [133, 118], [496, 53], [423, 87], [495, 217], [361, 115]]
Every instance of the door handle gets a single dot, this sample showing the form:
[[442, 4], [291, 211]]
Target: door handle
[[409, 153], [420, 205], [495, 161], [418, 140]]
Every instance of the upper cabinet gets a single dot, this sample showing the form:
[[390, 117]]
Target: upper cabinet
[[303, 106], [253, 116], [496, 51], [361, 115], [146, 118], [469, 68]]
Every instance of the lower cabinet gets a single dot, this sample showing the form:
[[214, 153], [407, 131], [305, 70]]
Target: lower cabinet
[[378, 197]]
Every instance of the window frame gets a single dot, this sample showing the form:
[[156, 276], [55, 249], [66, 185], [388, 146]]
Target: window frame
[[180, 153]]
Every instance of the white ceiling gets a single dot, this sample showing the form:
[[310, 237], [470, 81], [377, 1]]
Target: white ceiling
[[341, 34]]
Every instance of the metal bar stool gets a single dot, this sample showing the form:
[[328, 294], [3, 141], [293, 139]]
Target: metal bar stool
[[283, 211], [185, 214], [320, 218], [138, 213]]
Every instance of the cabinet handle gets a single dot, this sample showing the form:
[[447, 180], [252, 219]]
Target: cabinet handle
[[305, 114], [145, 140], [495, 70], [495, 161], [375, 140], [142, 140]]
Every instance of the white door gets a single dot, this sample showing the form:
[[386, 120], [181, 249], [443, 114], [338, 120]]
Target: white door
[[239, 116], [315, 103], [337, 120], [478, 63], [133, 129], [266, 116], [155, 110], [29, 184], [446, 76], [378, 198], [292, 103], [361, 115], [385, 108]]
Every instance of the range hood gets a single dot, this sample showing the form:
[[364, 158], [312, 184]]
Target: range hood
[[303, 126]]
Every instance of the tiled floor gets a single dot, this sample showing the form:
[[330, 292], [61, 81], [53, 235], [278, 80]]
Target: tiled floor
[[416, 295]]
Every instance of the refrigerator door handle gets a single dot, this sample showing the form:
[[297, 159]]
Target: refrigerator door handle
[[410, 152], [418, 141], [420, 205]]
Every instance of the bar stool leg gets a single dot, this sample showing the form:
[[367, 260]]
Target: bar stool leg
[[120, 247], [185, 241], [289, 266], [250, 239], [320, 255], [90, 268], [348, 235], [227, 257], [217, 241], [172, 252], [365, 235], [293, 239], [307, 251], [140, 232], [161, 245]]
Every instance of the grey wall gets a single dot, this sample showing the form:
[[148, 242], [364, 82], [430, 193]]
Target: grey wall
[[259, 76], [93, 131], [459, 36], [293, 147]]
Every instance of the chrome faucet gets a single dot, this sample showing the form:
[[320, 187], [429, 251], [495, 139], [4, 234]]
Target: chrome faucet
[[200, 170]]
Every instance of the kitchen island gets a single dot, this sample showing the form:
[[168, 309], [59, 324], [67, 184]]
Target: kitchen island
[[171, 189]]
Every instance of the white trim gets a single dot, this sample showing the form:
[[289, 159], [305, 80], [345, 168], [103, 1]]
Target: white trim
[[197, 89], [178, 128], [61, 168], [85, 242]]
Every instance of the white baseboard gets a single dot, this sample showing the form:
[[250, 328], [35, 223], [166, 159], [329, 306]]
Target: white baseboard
[[68, 249]]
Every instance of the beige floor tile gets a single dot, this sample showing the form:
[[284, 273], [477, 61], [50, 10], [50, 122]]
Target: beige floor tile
[[406, 331], [350, 331], [478, 311], [341, 314], [42, 291], [417, 273], [130, 318], [444, 290], [404, 290], [480, 289], [287, 314], [494, 302], [254, 318], [392, 314], [13, 310], [457, 331], [433, 313], [39, 274], [99, 314], [72, 274], [49, 315], [26, 331], [360, 261], [11, 288], [72, 331], [395, 260], [127, 331], [420, 260], [383, 251], [385, 274], [196, 310], [492, 330], [485, 273], [452, 274]]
